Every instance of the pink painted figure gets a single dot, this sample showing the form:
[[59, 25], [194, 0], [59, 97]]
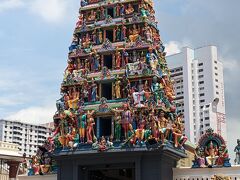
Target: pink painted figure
[[80, 21], [90, 124], [118, 60], [126, 119]]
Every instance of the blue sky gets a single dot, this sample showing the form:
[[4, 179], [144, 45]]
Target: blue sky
[[35, 35]]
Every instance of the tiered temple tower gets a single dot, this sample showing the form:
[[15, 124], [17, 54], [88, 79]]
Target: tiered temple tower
[[117, 117]]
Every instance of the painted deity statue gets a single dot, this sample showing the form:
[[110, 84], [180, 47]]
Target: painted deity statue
[[80, 21], [223, 154], [92, 16], [99, 37], [126, 119], [118, 33], [212, 154], [199, 157], [237, 151], [156, 89], [140, 133], [117, 88], [177, 131], [93, 91], [147, 92], [86, 42], [95, 61], [117, 126], [138, 96], [35, 165], [90, 124], [129, 9], [162, 125], [153, 124], [73, 99], [117, 10], [152, 59], [118, 60], [82, 121], [148, 34], [125, 57], [134, 34], [168, 87], [122, 9]]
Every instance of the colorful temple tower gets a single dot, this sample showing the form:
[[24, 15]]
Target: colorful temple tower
[[117, 118]]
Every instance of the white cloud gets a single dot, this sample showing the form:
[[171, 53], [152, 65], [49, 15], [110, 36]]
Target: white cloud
[[231, 64], [10, 4], [35, 115], [173, 47], [50, 10]]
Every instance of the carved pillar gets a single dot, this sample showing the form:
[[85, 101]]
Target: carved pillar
[[113, 91], [112, 130], [13, 169], [113, 61], [114, 34], [100, 91], [104, 35], [102, 62]]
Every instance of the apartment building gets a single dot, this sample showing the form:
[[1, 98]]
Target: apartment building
[[27, 136], [199, 87]]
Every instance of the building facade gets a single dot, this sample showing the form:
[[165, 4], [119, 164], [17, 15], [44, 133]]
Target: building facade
[[199, 87], [27, 136]]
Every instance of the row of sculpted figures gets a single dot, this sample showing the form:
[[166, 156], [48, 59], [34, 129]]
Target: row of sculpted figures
[[117, 10], [132, 126], [157, 92], [133, 63], [131, 33]]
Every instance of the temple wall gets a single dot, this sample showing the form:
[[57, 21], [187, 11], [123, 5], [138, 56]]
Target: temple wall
[[205, 173]]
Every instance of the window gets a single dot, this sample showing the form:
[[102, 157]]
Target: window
[[207, 125], [202, 101], [107, 61], [200, 76], [200, 70], [215, 68], [110, 12], [109, 35], [201, 88], [202, 94], [216, 80], [107, 90], [216, 74], [105, 124], [206, 118], [200, 64], [216, 86], [215, 62], [217, 92], [201, 82]]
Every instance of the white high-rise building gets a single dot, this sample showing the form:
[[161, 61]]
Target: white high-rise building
[[199, 87], [27, 136]]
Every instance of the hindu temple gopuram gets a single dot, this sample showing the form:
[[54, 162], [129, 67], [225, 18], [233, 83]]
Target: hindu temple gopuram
[[116, 118]]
